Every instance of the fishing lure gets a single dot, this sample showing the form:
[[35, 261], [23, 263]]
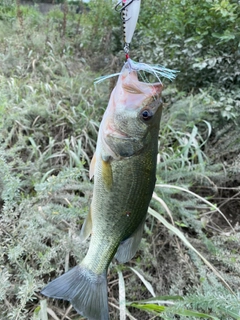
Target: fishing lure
[[129, 10]]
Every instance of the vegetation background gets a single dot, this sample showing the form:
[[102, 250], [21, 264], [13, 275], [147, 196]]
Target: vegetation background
[[50, 112]]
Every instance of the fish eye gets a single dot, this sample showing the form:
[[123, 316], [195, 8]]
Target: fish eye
[[146, 114]]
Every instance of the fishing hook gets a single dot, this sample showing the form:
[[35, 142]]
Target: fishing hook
[[122, 8]]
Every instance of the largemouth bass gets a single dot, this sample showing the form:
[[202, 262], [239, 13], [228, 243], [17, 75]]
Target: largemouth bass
[[124, 168]]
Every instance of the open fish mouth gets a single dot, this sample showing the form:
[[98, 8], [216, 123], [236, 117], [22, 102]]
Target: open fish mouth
[[119, 134]]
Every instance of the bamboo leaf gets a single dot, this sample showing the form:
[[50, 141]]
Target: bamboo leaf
[[191, 313], [156, 309], [149, 307], [161, 299]]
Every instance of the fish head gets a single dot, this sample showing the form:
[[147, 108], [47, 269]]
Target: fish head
[[132, 116]]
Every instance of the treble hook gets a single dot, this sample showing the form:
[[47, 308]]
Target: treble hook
[[122, 8]]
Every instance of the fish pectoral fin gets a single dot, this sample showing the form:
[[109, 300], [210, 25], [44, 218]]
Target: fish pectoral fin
[[87, 227], [107, 174], [92, 166], [128, 248]]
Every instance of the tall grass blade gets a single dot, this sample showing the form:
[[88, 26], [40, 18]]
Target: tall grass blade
[[149, 307], [187, 243], [146, 283], [197, 196], [43, 310], [162, 300], [156, 309], [52, 314], [122, 296]]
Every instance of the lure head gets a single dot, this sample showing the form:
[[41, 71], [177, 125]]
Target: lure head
[[132, 116]]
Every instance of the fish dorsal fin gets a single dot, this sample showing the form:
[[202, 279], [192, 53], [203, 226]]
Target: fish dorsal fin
[[87, 227], [92, 166], [128, 248]]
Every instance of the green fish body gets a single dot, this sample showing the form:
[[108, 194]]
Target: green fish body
[[124, 168]]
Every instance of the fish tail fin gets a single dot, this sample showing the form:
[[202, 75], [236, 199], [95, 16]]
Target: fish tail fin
[[86, 291]]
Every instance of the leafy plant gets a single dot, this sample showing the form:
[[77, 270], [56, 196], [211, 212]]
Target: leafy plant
[[199, 39]]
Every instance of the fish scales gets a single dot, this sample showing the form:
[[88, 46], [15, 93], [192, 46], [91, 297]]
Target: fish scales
[[125, 205], [123, 168]]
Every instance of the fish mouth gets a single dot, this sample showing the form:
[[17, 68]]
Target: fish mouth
[[119, 134]]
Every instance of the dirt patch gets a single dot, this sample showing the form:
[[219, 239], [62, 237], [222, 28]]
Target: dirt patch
[[228, 201]]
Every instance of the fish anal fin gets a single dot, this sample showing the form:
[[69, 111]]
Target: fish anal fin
[[107, 174], [128, 248], [86, 291], [87, 227], [92, 166]]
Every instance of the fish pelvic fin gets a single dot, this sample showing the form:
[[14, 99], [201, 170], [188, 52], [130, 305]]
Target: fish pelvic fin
[[86, 291], [128, 247]]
